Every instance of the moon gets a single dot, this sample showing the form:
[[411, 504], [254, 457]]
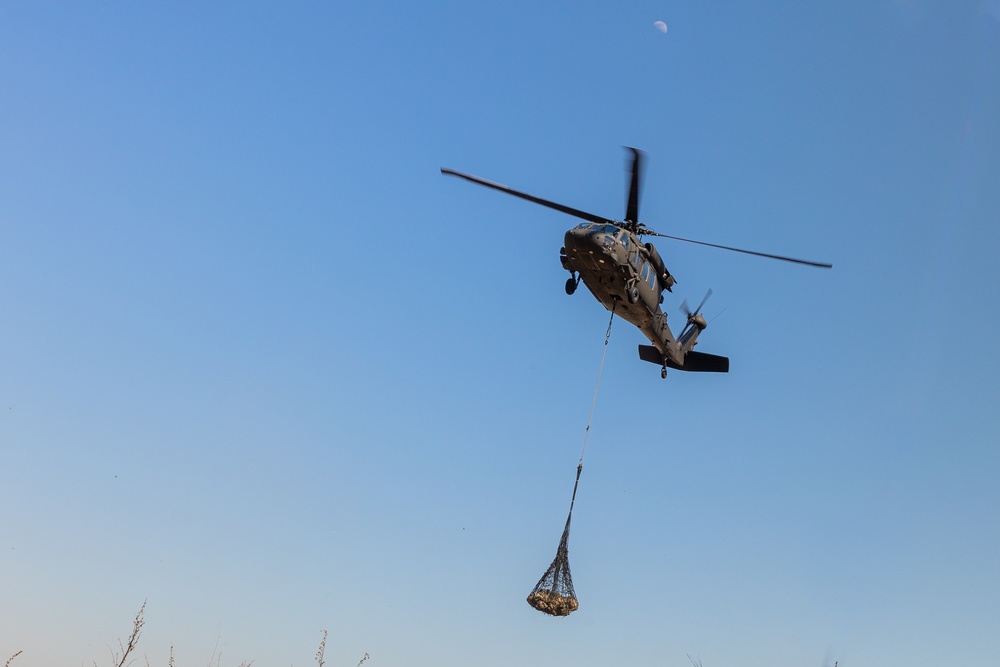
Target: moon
[[660, 25]]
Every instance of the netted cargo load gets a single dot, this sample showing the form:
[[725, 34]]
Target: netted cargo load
[[554, 594]]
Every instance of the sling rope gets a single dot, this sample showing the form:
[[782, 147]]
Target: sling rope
[[607, 336], [554, 593], [590, 418]]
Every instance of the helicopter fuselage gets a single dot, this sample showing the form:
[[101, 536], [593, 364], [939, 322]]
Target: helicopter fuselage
[[626, 276]]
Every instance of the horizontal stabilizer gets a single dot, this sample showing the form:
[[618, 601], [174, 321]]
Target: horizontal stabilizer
[[694, 362], [650, 354]]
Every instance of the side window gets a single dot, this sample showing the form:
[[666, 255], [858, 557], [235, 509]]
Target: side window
[[635, 260], [645, 270], [624, 239], [652, 280]]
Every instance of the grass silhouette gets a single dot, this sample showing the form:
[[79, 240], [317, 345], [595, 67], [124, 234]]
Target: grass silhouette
[[126, 653]]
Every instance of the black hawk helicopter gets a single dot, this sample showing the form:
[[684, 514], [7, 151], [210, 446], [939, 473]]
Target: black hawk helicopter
[[628, 276]]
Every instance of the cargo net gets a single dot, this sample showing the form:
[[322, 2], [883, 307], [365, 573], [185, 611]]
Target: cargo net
[[554, 594]]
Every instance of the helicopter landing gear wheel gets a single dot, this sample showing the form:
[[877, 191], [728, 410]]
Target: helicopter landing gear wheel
[[571, 284], [633, 294], [663, 372]]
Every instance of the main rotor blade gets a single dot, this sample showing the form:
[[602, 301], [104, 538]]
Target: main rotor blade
[[821, 265], [538, 200], [632, 212]]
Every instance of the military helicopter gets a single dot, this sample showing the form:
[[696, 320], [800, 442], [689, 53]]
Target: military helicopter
[[628, 276]]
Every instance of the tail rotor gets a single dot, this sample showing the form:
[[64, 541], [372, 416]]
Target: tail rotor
[[695, 319]]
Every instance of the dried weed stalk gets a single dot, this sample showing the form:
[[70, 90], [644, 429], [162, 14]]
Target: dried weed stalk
[[133, 639], [322, 650]]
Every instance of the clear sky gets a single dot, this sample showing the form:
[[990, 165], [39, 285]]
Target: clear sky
[[264, 367]]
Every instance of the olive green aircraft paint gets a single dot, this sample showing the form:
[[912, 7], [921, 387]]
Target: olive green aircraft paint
[[629, 276]]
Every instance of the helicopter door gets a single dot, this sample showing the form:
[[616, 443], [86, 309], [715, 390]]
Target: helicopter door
[[651, 297], [634, 260]]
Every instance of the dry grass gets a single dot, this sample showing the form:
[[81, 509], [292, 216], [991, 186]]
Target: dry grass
[[321, 651], [133, 640], [126, 653]]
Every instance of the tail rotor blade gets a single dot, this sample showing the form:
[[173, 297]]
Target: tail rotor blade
[[687, 310], [700, 305]]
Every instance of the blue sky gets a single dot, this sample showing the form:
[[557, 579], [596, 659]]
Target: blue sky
[[264, 367]]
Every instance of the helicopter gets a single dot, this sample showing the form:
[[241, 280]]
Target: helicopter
[[629, 277]]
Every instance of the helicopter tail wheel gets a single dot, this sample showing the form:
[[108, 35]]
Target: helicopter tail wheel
[[663, 372]]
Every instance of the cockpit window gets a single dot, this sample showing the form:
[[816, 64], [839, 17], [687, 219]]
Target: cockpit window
[[584, 225], [624, 239]]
